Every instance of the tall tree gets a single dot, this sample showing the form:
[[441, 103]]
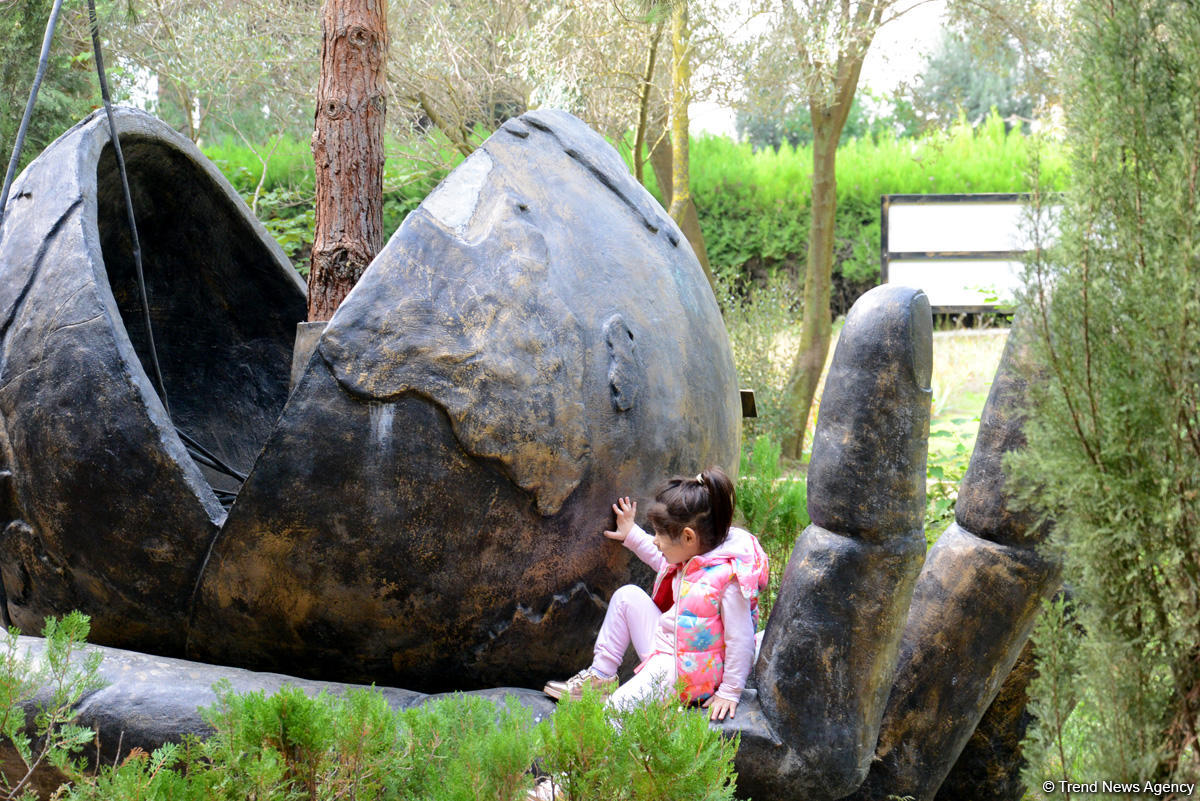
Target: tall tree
[[67, 90], [219, 67], [347, 147], [681, 207], [815, 51]]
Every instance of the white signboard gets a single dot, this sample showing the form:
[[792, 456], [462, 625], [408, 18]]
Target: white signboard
[[964, 251]]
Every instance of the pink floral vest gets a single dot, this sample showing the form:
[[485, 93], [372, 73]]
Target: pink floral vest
[[699, 629]]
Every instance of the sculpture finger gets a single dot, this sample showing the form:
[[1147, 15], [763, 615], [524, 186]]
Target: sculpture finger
[[973, 608], [830, 646]]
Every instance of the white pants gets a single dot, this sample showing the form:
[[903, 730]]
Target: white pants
[[632, 619], [655, 681]]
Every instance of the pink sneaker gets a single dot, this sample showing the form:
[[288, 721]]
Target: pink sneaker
[[574, 685]]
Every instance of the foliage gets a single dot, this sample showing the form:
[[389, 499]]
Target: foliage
[[957, 83], [656, 751], [772, 506], [290, 219], [945, 469], [795, 129], [289, 167], [754, 206], [55, 684], [761, 322], [1052, 748], [243, 68], [1114, 431], [65, 92], [289, 746]]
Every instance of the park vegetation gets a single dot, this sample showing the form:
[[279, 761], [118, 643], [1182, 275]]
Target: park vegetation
[[1114, 434], [1114, 455], [289, 746]]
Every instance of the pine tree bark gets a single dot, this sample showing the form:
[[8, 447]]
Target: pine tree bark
[[347, 147]]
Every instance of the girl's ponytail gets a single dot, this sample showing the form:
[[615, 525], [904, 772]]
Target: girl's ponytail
[[721, 497]]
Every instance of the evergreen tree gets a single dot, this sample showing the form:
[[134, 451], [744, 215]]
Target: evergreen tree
[[958, 80], [66, 90], [1114, 424]]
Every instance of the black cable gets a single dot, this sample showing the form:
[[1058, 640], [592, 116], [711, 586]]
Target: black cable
[[137, 246], [210, 458], [197, 451], [43, 61]]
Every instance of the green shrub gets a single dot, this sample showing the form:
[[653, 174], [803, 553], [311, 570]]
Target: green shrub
[[656, 751], [763, 322], [289, 746], [949, 457], [289, 164], [55, 738], [773, 507], [1113, 431], [754, 206]]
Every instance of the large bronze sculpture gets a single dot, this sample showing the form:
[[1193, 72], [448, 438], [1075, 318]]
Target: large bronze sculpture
[[423, 509]]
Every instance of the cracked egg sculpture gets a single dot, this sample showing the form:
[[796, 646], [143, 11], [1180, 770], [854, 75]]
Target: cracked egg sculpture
[[422, 509]]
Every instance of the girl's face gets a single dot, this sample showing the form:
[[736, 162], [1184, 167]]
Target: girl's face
[[677, 551]]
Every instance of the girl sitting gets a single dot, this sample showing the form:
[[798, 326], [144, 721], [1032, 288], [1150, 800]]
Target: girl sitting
[[698, 625]]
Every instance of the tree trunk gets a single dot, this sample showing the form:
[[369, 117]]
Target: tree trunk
[[660, 162], [347, 148], [681, 75], [639, 140], [815, 331]]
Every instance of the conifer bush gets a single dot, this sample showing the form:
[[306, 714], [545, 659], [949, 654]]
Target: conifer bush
[[289, 746], [1114, 424]]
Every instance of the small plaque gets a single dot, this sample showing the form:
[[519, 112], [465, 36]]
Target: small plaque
[[748, 407]]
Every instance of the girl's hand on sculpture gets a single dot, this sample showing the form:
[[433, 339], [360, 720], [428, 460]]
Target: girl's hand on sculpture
[[626, 511], [717, 707]]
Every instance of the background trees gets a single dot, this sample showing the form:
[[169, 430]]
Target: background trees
[[813, 55], [66, 90], [1114, 428], [246, 71]]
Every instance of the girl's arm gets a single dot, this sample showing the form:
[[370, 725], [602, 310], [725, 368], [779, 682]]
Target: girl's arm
[[739, 642], [642, 544], [631, 535]]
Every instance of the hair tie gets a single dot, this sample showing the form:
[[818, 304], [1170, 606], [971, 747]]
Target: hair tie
[[700, 477]]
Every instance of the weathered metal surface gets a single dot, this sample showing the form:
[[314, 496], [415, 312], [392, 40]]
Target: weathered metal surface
[[426, 508], [991, 762], [972, 611], [830, 646], [107, 512]]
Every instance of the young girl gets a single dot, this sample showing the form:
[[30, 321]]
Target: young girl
[[699, 623]]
